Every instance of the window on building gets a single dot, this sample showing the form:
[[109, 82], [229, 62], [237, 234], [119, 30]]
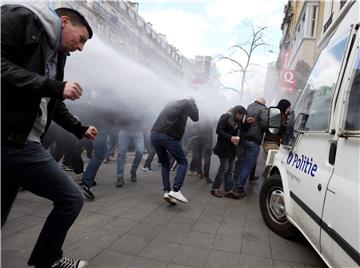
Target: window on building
[[353, 110], [313, 21], [315, 101], [123, 5], [342, 3], [131, 14], [140, 22]]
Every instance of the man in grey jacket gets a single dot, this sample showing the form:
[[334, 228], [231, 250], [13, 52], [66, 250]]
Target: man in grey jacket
[[249, 146]]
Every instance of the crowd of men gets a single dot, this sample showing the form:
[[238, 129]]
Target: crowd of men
[[35, 41]]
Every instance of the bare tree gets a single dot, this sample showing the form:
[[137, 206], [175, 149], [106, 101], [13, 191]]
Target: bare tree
[[255, 41]]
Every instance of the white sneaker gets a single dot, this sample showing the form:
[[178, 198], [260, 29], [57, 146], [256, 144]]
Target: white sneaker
[[169, 199], [178, 196]]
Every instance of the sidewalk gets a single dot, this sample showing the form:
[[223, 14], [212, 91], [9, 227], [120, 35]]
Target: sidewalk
[[134, 227]]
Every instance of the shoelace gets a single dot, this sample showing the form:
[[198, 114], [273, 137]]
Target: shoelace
[[65, 262]]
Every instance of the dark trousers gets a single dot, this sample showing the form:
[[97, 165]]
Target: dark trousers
[[69, 147], [32, 168], [163, 145], [224, 174], [200, 151]]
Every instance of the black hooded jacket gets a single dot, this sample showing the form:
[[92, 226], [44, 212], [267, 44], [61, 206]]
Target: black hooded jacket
[[23, 84], [172, 120]]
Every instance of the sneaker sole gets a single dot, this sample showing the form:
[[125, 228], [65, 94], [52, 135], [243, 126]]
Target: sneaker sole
[[171, 201], [177, 199]]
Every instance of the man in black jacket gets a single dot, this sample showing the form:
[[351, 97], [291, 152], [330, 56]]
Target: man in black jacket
[[34, 43], [229, 129], [166, 137]]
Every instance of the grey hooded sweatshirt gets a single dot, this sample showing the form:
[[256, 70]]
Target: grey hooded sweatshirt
[[51, 24]]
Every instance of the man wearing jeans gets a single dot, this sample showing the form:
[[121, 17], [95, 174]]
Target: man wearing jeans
[[249, 146], [151, 151], [166, 137], [35, 41], [229, 128], [104, 119], [128, 137]]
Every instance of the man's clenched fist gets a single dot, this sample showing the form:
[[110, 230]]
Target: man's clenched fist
[[72, 90], [91, 133]]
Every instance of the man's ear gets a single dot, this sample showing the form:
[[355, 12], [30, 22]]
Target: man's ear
[[64, 20]]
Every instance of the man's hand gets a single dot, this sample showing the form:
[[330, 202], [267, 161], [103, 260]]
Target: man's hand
[[91, 133], [72, 91], [235, 139], [250, 120]]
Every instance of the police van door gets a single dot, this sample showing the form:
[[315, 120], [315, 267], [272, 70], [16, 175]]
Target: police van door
[[308, 169], [340, 234]]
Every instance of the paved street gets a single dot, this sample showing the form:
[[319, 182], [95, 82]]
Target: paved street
[[134, 227]]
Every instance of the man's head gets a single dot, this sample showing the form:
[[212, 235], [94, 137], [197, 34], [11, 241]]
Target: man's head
[[261, 100], [284, 106], [75, 30], [239, 112]]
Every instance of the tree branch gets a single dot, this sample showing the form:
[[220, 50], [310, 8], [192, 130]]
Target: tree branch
[[232, 60]]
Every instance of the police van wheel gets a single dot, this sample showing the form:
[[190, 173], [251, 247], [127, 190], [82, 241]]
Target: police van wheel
[[272, 206]]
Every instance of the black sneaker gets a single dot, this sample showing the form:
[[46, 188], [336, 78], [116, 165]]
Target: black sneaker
[[133, 175], [65, 262], [87, 191], [120, 182]]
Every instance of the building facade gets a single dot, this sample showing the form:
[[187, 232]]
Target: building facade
[[302, 31], [119, 25]]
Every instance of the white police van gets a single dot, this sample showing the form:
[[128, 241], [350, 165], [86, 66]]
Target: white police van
[[314, 182]]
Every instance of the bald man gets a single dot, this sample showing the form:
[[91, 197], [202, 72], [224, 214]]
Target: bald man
[[249, 146]]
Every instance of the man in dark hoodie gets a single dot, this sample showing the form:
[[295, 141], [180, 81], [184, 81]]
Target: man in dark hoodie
[[229, 129], [34, 43], [249, 147], [166, 137]]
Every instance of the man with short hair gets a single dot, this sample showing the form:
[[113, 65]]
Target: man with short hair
[[35, 41], [249, 146]]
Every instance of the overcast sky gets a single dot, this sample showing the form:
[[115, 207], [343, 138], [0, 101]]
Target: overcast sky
[[210, 27]]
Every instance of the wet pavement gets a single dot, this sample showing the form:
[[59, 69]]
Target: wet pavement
[[134, 227]]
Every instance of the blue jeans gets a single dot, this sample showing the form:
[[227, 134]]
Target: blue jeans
[[32, 168], [248, 154], [151, 150], [112, 142], [100, 150], [127, 138], [164, 144], [225, 173]]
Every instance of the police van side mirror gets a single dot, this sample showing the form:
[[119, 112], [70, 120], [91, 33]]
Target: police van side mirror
[[274, 120]]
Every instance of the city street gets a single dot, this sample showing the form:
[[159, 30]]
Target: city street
[[133, 227]]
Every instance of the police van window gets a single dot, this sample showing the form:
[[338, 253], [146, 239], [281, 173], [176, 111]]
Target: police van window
[[353, 111], [315, 101]]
